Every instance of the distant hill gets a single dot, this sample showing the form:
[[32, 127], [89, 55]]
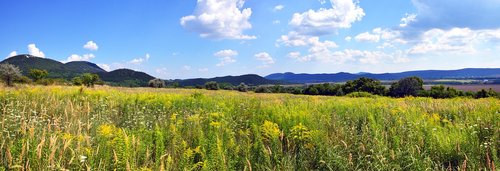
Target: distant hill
[[126, 77], [249, 79], [469, 73], [56, 69]]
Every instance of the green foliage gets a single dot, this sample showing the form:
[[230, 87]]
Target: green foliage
[[38, 74], [77, 81], [9, 73], [262, 89], [156, 83], [409, 86], [242, 87], [360, 94], [89, 79], [212, 85], [364, 84], [486, 93], [442, 92]]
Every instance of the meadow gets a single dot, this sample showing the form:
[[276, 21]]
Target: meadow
[[104, 128]]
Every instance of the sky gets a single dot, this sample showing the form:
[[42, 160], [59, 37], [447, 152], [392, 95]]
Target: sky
[[178, 39]]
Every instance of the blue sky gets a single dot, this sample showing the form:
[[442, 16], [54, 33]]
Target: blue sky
[[187, 38]]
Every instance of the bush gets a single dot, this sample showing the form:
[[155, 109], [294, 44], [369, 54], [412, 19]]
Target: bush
[[485, 94], [360, 94], [38, 74], [212, 85], [262, 89], [364, 84], [77, 81], [242, 87], [89, 79], [156, 83], [23, 80]]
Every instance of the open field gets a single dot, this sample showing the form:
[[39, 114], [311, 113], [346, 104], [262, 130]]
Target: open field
[[471, 87], [54, 128]]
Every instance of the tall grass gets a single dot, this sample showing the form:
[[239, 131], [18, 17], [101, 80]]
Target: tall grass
[[54, 128]]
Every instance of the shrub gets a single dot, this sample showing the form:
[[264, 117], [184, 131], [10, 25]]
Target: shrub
[[212, 85], [364, 84], [242, 87], [77, 81], [262, 89], [89, 79], [360, 94], [38, 74], [156, 83]]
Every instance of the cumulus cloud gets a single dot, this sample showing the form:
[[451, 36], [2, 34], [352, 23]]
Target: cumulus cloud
[[219, 19], [75, 57], [447, 14], [278, 7], [105, 67], [33, 50], [409, 18], [226, 57], [91, 45], [455, 40], [186, 68], [11, 54], [327, 21], [138, 61], [367, 37], [265, 58]]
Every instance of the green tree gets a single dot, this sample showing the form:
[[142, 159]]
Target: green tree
[[38, 74], [156, 83], [212, 85], [77, 81], [89, 79], [364, 84], [9, 73], [242, 87], [409, 86]]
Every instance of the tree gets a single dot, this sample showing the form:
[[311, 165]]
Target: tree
[[38, 74], [212, 85], [364, 84], [156, 83], [242, 87], [89, 79], [409, 86], [77, 81], [262, 89], [9, 73]]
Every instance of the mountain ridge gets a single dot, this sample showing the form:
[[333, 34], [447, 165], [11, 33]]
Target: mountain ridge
[[424, 74]]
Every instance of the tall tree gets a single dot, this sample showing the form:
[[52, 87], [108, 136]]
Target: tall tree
[[409, 86], [9, 73]]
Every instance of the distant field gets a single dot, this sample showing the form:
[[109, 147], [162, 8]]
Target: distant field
[[472, 87], [107, 128]]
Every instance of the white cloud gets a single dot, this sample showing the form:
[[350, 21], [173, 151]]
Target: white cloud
[[91, 45], [265, 58], [327, 21], [105, 67], [226, 57], [348, 38], [138, 61], [367, 37], [278, 7], [457, 40], [219, 19], [409, 18], [318, 50], [33, 50], [11, 54], [75, 57], [276, 22]]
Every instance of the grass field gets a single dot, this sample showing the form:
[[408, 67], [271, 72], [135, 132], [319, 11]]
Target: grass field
[[56, 128]]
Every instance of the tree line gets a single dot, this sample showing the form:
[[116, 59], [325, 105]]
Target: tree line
[[362, 87]]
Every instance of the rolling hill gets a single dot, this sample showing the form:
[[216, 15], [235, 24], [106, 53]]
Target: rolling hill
[[56, 69], [249, 79], [468, 73]]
